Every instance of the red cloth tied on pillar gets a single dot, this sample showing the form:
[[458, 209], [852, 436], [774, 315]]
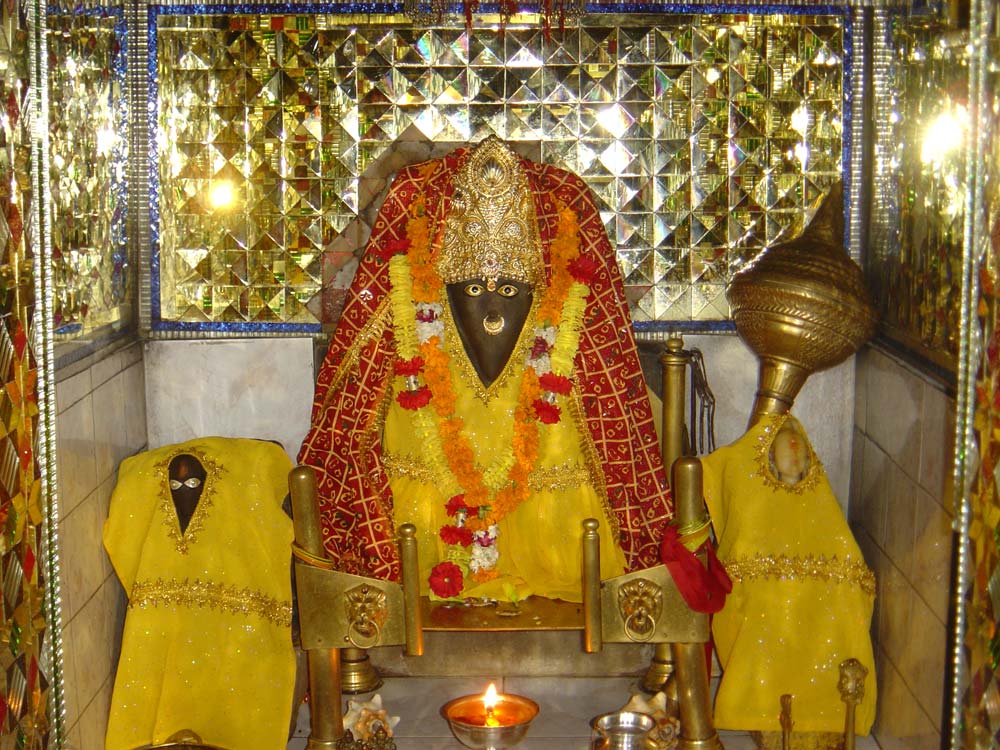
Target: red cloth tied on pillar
[[704, 588]]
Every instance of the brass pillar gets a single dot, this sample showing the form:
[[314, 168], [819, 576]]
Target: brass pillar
[[411, 590], [593, 640], [673, 364], [690, 664], [326, 718]]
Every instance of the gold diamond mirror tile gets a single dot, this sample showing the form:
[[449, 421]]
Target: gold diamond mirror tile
[[703, 137], [88, 152], [915, 265]]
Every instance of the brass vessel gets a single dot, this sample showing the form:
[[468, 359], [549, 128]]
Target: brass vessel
[[801, 307]]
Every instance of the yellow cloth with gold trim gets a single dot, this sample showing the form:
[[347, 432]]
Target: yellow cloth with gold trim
[[802, 594], [207, 644], [538, 544]]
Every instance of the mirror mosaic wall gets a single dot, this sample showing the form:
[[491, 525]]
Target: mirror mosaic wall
[[704, 138], [88, 153], [921, 114]]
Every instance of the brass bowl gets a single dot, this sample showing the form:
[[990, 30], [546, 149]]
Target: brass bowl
[[466, 719]]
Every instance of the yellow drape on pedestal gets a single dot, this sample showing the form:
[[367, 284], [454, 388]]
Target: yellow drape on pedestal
[[207, 644], [802, 595]]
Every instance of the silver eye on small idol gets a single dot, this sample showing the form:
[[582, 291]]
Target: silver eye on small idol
[[192, 483], [474, 290], [507, 290]]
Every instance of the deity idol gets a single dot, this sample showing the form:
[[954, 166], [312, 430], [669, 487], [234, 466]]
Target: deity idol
[[483, 384]]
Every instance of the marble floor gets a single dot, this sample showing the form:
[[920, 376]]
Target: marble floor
[[566, 707]]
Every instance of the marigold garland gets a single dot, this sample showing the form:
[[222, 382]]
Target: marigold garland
[[479, 500]]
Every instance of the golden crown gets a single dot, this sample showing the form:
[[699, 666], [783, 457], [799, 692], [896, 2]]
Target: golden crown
[[491, 231]]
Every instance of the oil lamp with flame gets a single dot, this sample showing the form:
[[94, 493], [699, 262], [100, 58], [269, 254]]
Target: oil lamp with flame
[[491, 721]]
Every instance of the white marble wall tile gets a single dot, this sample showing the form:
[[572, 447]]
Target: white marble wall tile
[[103, 370], [71, 674], [900, 519], [937, 448], [874, 481], [109, 426], [84, 566], [895, 613], [94, 721], [861, 388], [91, 644], [134, 389], [73, 739], [895, 406], [901, 724], [71, 390], [932, 552], [855, 507], [922, 665], [260, 388], [75, 454]]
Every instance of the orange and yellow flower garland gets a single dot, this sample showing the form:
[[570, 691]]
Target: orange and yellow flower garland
[[480, 500]]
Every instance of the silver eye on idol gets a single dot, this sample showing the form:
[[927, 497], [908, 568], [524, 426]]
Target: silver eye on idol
[[192, 483]]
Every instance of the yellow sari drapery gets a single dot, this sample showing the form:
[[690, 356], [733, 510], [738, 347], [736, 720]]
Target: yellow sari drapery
[[539, 543], [802, 594], [207, 644]]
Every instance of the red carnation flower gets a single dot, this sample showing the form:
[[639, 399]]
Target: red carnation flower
[[582, 268], [547, 413], [446, 580], [456, 535], [556, 383], [414, 400], [390, 248], [456, 505], [409, 367]]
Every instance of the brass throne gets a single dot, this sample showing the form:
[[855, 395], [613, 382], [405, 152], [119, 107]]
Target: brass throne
[[342, 614]]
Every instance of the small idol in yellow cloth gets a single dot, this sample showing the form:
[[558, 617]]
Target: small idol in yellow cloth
[[802, 594], [198, 538]]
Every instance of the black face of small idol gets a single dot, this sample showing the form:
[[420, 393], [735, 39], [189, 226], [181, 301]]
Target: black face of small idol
[[489, 318], [187, 480]]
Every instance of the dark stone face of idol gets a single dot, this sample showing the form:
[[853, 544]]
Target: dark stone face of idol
[[489, 318], [187, 480]]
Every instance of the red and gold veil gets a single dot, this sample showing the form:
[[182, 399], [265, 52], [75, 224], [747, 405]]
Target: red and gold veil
[[354, 386]]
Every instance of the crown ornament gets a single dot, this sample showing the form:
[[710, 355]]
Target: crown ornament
[[491, 230]]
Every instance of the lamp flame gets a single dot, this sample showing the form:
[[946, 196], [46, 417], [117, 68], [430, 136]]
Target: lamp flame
[[490, 698]]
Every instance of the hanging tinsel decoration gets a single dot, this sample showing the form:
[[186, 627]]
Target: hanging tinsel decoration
[[427, 12]]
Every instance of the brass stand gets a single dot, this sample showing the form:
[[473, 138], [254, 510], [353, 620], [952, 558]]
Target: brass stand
[[326, 718], [673, 362], [357, 675], [852, 690]]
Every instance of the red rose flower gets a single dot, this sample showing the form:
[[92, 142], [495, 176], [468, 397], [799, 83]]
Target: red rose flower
[[414, 400], [556, 383], [426, 315], [390, 248], [456, 505], [456, 535], [409, 367], [446, 580], [582, 268], [547, 413], [540, 347]]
